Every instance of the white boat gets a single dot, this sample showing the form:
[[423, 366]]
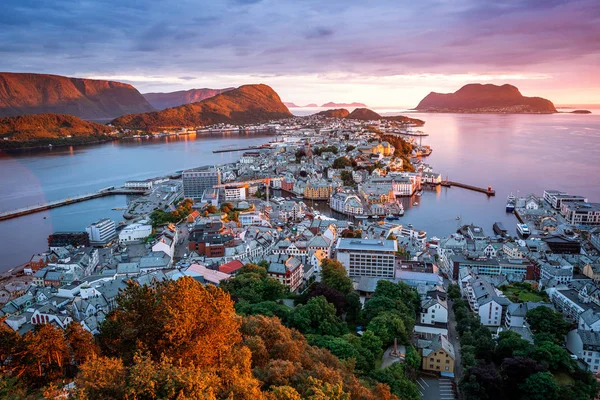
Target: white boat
[[510, 202], [415, 203], [523, 230]]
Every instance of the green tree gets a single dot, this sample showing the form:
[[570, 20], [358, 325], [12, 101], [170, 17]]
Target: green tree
[[347, 178], [540, 386], [317, 317], [387, 326], [400, 384], [335, 276], [454, 292], [545, 320], [253, 284], [341, 163]]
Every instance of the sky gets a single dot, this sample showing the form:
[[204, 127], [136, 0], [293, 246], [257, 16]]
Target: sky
[[382, 53]]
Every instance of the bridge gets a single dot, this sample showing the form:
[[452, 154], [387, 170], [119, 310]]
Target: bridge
[[65, 202], [489, 191]]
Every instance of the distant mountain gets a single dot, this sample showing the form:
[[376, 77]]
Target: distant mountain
[[311, 105], [363, 114], [350, 105], [30, 130], [478, 98], [290, 105], [244, 105], [24, 94], [160, 101], [335, 113]]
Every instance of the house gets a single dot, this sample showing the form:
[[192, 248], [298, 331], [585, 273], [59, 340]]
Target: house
[[586, 346], [589, 320], [434, 310], [289, 271], [154, 261], [209, 275], [231, 267], [592, 271], [438, 355]]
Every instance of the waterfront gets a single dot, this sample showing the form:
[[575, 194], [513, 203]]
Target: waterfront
[[529, 153]]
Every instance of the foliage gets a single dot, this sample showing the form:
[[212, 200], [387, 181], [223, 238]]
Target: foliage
[[254, 285], [400, 384], [540, 386], [324, 149], [335, 276], [160, 217], [454, 292], [266, 308], [546, 320], [341, 163], [347, 178], [317, 316]]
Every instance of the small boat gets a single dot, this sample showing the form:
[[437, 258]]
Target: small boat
[[523, 230], [510, 203], [457, 218], [401, 212], [415, 203]]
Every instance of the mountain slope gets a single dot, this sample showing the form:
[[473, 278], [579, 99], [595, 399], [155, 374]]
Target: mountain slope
[[32, 130], [24, 93], [363, 114], [160, 101], [485, 98], [335, 113], [246, 104]]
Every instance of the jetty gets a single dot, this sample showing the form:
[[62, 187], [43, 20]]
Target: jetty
[[65, 202], [241, 149], [489, 191]]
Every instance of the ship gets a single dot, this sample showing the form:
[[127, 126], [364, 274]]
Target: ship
[[523, 230], [510, 203], [499, 229]]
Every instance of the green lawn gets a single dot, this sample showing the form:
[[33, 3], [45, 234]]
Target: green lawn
[[520, 293]]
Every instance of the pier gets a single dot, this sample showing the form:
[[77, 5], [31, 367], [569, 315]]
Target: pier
[[489, 191], [65, 202], [232, 150]]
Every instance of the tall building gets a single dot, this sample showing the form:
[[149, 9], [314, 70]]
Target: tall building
[[102, 232], [196, 180], [368, 257]]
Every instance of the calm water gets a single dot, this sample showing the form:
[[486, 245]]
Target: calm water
[[525, 153]]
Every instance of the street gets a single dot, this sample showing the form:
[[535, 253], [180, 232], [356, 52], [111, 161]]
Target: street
[[435, 388], [453, 337]]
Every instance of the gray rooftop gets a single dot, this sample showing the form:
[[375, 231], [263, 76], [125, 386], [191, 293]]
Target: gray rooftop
[[367, 245]]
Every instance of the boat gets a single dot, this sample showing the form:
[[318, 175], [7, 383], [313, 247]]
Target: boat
[[499, 229], [510, 203], [401, 212], [415, 203], [523, 230], [458, 218], [419, 193]]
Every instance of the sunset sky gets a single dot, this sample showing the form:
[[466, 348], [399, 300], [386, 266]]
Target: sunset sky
[[382, 53]]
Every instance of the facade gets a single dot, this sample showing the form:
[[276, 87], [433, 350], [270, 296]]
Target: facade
[[581, 213], [438, 355], [364, 257], [289, 272], [197, 180], [556, 197], [238, 193], [62, 239], [102, 232], [586, 346], [144, 185], [134, 233], [346, 203], [434, 310], [318, 191]]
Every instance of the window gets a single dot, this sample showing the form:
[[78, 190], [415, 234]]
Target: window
[[447, 368]]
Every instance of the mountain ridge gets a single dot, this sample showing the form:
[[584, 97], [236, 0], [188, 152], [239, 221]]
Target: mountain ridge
[[488, 98], [29, 93], [162, 100], [245, 105]]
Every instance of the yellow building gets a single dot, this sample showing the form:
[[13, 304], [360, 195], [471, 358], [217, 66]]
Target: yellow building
[[320, 191], [438, 355], [383, 148], [592, 271]]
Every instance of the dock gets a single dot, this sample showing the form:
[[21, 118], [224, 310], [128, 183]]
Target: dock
[[489, 191], [242, 149], [65, 202]]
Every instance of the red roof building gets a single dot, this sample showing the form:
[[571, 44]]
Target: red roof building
[[231, 267]]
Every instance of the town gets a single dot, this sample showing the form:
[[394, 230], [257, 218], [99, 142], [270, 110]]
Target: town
[[329, 190]]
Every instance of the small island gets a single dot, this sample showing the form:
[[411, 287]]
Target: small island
[[580, 112]]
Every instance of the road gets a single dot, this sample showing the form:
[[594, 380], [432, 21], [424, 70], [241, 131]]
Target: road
[[435, 388], [453, 337]]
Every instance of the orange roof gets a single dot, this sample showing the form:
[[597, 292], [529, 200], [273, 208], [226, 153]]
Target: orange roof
[[231, 266]]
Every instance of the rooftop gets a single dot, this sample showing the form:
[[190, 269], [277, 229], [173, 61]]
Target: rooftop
[[367, 245]]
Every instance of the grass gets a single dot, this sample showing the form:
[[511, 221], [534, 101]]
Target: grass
[[522, 292], [562, 378]]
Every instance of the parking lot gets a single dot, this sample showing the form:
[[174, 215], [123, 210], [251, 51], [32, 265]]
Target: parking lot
[[433, 388]]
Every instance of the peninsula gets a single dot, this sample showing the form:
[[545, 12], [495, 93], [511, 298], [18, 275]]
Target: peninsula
[[25, 93], [478, 98], [160, 101]]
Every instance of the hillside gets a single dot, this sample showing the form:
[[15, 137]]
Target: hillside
[[24, 94], [363, 114], [478, 98], [335, 113], [339, 105], [160, 101], [33, 130], [290, 105], [244, 105]]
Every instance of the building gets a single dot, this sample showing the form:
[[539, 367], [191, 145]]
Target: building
[[197, 180], [235, 193], [581, 213], [438, 355], [556, 197], [102, 232], [134, 233], [62, 239], [318, 190], [346, 203], [143, 185], [586, 346], [563, 245], [434, 310], [367, 257], [518, 269], [287, 270]]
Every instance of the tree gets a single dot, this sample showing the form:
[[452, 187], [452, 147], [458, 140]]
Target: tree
[[347, 178], [81, 343], [317, 317], [267, 308], [341, 163], [102, 378], [254, 285], [47, 353], [400, 384], [540, 386], [387, 326], [454, 292], [335, 276], [483, 381], [515, 371], [545, 320], [510, 343]]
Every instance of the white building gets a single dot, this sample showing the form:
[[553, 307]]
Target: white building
[[235, 194], [434, 310], [364, 257], [586, 346], [134, 233], [102, 232], [346, 203], [146, 184]]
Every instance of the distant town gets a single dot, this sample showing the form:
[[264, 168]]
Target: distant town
[[207, 223]]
